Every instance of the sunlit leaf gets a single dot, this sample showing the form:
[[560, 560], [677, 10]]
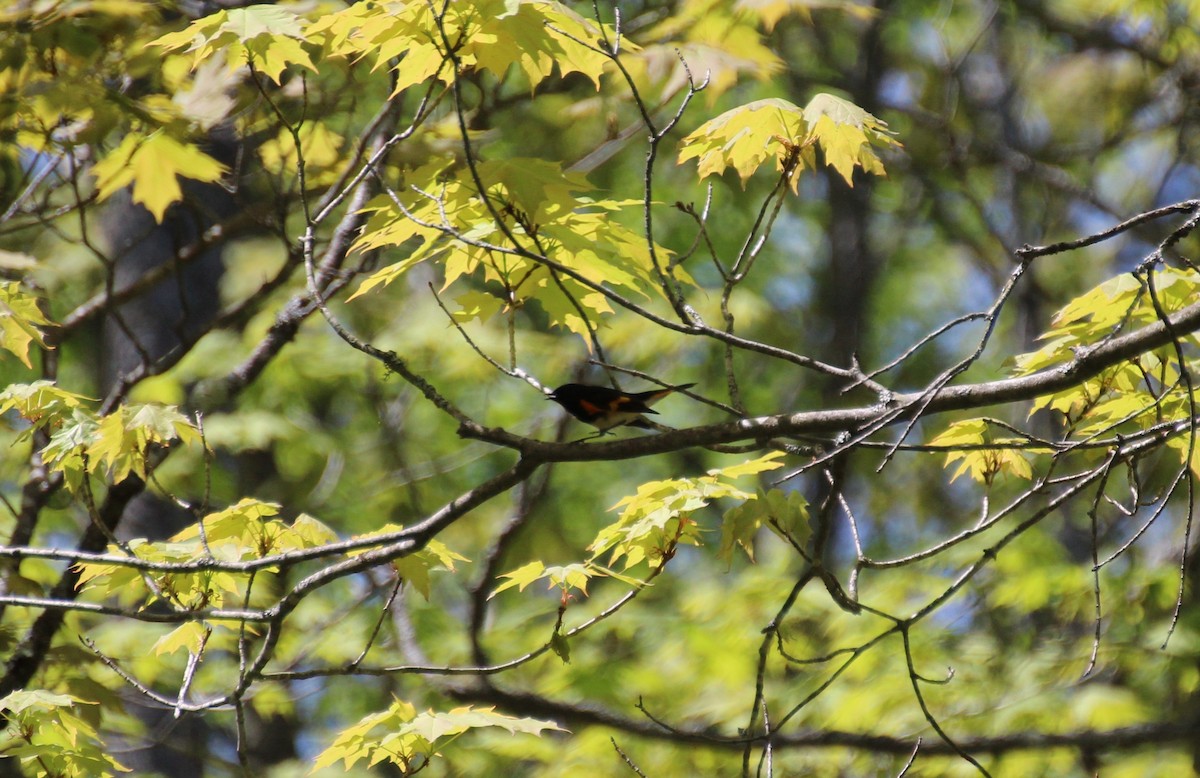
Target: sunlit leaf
[[190, 637], [983, 456], [415, 568], [21, 321], [745, 137], [40, 402], [400, 733], [657, 518], [152, 164], [521, 577], [267, 36], [433, 726]]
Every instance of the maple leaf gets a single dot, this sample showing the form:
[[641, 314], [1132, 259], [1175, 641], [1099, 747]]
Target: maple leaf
[[153, 165], [265, 35], [20, 321], [745, 137]]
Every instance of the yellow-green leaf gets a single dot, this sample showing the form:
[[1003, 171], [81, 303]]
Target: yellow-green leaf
[[520, 578], [20, 321], [190, 637], [762, 464], [569, 577], [982, 464], [415, 568], [400, 733], [268, 36], [433, 726], [23, 700], [657, 517], [153, 164], [782, 512], [745, 137], [40, 402]]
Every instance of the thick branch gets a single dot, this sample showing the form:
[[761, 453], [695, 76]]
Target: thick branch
[[1087, 364], [577, 715]]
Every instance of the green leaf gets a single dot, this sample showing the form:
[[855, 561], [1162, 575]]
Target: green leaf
[[769, 461], [969, 432], [47, 731], [535, 36], [38, 699], [244, 531], [363, 739], [64, 452], [770, 12], [241, 521], [308, 532], [779, 510], [704, 40], [574, 230], [415, 568], [319, 148], [532, 36], [561, 647], [1180, 445], [845, 133], [477, 305]]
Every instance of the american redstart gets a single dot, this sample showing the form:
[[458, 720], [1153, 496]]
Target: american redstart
[[606, 408]]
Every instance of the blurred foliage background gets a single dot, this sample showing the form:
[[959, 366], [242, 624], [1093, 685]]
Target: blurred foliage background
[[1020, 123]]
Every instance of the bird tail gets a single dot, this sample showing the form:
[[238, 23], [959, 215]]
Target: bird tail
[[651, 397]]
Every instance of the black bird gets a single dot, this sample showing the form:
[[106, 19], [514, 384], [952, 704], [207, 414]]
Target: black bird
[[605, 408]]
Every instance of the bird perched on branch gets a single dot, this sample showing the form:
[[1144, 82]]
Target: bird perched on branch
[[605, 408]]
